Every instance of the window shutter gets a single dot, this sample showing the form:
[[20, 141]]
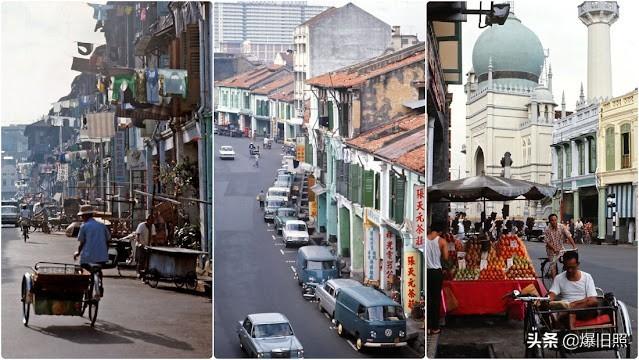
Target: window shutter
[[368, 188], [377, 186], [392, 197], [351, 182], [191, 61], [400, 188], [330, 115], [610, 148]]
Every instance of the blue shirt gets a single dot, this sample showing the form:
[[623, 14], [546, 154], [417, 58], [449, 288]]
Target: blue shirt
[[94, 236]]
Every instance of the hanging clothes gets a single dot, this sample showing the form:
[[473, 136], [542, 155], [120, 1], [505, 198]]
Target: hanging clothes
[[121, 83], [152, 89], [172, 82], [140, 86]]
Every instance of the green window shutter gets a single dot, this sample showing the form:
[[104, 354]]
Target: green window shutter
[[377, 188], [610, 148], [308, 154], [593, 156], [330, 115], [400, 188], [560, 160], [568, 161], [391, 208], [368, 188], [580, 150], [288, 112], [358, 185], [351, 181]]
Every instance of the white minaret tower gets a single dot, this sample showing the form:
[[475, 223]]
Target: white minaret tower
[[598, 16]]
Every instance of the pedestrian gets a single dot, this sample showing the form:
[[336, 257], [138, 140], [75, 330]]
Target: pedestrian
[[436, 251], [579, 231], [94, 241], [257, 159], [571, 227], [144, 236], [261, 198]]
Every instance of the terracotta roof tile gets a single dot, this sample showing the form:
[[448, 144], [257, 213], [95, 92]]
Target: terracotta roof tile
[[414, 160], [285, 94], [374, 139], [247, 79], [275, 85], [357, 74]]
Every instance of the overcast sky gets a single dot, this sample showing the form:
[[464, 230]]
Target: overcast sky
[[37, 46], [558, 28]]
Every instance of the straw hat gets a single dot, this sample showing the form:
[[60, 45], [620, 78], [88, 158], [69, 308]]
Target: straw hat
[[85, 209]]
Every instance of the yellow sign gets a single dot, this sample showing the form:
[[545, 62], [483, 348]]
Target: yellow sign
[[300, 151], [411, 278]]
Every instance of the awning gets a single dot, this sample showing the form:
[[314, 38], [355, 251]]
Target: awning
[[318, 189], [99, 125], [626, 199]]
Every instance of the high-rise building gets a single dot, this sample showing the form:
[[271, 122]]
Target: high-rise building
[[259, 29]]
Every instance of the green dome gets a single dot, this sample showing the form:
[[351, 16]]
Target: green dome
[[517, 54]]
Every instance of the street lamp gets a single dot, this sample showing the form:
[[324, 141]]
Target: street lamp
[[611, 201]]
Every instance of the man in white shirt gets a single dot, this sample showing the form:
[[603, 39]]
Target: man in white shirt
[[144, 235]]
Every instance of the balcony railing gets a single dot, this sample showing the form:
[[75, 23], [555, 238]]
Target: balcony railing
[[625, 161]]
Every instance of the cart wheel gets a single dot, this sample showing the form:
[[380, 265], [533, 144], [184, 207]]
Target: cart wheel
[[26, 306], [93, 311], [152, 278], [179, 282], [191, 280]]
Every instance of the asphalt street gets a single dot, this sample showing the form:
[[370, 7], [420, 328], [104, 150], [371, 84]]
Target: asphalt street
[[134, 320], [253, 270]]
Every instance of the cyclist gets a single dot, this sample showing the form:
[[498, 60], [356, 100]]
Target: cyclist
[[25, 220], [93, 237], [556, 234]]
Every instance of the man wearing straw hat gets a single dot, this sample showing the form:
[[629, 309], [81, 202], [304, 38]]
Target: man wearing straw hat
[[93, 238]]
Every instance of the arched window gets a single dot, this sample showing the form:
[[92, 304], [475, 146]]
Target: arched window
[[523, 151], [529, 147]]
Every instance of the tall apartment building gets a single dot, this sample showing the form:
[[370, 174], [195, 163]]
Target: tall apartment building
[[259, 29]]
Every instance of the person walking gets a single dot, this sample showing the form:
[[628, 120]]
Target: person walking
[[144, 236], [436, 250], [556, 234], [261, 198], [257, 159]]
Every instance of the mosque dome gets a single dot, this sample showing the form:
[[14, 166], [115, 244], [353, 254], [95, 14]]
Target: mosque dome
[[516, 52]]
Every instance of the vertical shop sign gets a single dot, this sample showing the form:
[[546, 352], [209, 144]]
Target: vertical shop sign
[[389, 258], [411, 278], [119, 168], [372, 251], [418, 216]]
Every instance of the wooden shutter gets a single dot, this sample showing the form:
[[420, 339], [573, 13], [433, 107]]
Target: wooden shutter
[[400, 189], [610, 148], [368, 188], [192, 59], [392, 197], [377, 188], [352, 176], [330, 115]]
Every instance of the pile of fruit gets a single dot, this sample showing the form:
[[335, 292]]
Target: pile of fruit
[[457, 245], [473, 254], [505, 250], [467, 274], [492, 274], [521, 269]]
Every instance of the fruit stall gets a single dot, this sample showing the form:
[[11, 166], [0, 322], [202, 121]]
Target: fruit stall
[[480, 273]]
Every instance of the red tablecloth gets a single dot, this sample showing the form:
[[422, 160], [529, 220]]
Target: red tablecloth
[[483, 297]]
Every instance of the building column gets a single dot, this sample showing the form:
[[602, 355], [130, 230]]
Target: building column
[[601, 215], [576, 212]]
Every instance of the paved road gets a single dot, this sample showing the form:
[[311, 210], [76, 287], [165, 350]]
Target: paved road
[[253, 269], [134, 320]]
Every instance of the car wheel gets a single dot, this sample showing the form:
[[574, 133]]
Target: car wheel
[[340, 329], [359, 343], [239, 338], [319, 306]]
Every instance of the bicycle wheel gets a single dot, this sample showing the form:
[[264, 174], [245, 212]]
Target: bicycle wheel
[[152, 278], [191, 280], [93, 311], [26, 306]]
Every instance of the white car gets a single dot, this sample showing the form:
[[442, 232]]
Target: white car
[[295, 232], [278, 193], [227, 152]]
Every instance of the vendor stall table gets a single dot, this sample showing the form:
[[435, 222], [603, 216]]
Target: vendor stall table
[[482, 297]]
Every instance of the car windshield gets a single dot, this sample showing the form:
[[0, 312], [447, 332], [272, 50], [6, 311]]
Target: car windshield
[[320, 265], [283, 178], [286, 212], [275, 203], [277, 193], [226, 148], [296, 227], [9, 210], [385, 313], [272, 330]]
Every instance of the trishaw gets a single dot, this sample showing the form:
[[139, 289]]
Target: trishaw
[[607, 327], [61, 289]]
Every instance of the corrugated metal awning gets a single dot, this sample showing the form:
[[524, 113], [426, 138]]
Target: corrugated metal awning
[[626, 198]]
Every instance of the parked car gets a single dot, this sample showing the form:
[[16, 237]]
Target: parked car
[[215, 129], [10, 215], [269, 335], [286, 158], [284, 180], [295, 232], [313, 266], [372, 317], [282, 216], [278, 193], [537, 231], [271, 207], [227, 152], [327, 293], [236, 133]]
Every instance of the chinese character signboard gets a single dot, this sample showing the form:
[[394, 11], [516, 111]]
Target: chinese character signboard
[[119, 168], [389, 258], [411, 276], [63, 172], [419, 202], [371, 265]]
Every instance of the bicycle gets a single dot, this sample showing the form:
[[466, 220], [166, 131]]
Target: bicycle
[[92, 295], [24, 224], [545, 269]]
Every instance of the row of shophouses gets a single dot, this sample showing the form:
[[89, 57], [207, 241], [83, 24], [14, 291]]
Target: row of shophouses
[[594, 155], [135, 133], [361, 137]]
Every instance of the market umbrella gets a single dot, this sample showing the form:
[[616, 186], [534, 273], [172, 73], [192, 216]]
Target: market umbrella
[[493, 188]]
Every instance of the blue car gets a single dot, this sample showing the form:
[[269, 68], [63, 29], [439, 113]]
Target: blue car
[[314, 265]]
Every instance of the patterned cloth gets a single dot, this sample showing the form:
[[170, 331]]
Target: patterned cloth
[[556, 238]]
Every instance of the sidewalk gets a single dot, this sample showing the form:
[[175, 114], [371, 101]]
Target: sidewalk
[[415, 335]]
